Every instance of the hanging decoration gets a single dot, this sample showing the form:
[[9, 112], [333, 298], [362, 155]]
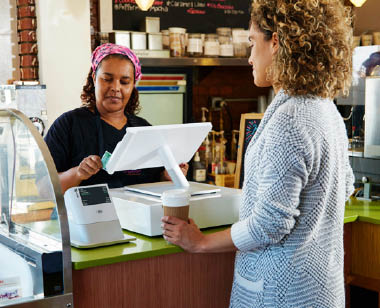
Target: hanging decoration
[[358, 3], [145, 5]]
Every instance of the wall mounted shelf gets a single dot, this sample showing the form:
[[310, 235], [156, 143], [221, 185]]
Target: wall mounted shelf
[[172, 62]]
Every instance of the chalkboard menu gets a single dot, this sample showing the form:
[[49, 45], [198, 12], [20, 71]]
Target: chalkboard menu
[[248, 126], [202, 16]]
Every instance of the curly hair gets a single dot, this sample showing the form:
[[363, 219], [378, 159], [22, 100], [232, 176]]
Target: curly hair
[[88, 92], [315, 45]]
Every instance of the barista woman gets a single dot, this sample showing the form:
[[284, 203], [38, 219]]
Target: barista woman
[[78, 138], [297, 177]]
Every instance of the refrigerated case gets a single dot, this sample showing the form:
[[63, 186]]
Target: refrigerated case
[[165, 95], [361, 112], [35, 255], [363, 102], [372, 117]]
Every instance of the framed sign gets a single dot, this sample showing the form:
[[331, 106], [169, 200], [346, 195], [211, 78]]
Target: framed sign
[[249, 123]]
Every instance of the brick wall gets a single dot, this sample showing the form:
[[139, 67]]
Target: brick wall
[[94, 20], [27, 39], [226, 82]]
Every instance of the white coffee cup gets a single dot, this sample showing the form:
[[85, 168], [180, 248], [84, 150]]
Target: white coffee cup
[[176, 203]]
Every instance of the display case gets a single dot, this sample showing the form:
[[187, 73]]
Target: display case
[[35, 253]]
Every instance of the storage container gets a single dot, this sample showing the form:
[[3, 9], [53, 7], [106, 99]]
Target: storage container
[[155, 41], [211, 45], [194, 45], [138, 40], [177, 41]]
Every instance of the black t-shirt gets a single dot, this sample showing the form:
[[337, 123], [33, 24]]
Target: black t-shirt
[[75, 135]]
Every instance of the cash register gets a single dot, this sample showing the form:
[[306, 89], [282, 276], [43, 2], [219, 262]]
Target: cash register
[[139, 207]]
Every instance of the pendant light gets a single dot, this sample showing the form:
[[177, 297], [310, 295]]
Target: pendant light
[[358, 3], [144, 5]]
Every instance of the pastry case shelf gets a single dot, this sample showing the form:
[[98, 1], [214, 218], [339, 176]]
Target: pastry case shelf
[[35, 253]]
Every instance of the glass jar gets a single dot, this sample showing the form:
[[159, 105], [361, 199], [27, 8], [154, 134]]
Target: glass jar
[[177, 41], [226, 48], [240, 42], [194, 45], [211, 45], [165, 39]]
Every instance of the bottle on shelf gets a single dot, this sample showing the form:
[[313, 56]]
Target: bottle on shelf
[[215, 160], [223, 105], [221, 167], [204, 110], [199, 170], [206, 142], [234, 144], [213, 153], [208, 154]]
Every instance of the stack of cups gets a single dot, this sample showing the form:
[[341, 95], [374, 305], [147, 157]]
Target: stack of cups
[[176, 203]]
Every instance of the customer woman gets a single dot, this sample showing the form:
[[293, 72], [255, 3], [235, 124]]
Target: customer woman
[[297, 177], [78, 139]]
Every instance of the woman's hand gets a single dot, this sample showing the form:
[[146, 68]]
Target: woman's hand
[[184, 168], [186, 235], [88, 167], [166, 177]]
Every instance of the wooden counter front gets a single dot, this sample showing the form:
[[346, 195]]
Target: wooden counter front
[[149, 272], [179, 280]]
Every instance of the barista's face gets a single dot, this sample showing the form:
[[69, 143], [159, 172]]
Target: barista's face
[[114, 83], [262, 52]]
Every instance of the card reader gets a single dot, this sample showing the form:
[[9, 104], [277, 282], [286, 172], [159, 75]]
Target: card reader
[[92, 217]]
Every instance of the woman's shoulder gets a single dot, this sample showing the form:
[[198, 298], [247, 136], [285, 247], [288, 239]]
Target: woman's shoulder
[[77, 114], [293, 118], [296, 104], [135, 120]]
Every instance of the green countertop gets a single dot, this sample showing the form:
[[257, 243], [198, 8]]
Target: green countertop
[[365, 211], [145, 246]]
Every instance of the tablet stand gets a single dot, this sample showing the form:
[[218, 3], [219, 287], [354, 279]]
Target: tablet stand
[[172, 167]]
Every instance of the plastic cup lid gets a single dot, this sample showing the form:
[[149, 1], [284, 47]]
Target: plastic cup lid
[[175, 197]]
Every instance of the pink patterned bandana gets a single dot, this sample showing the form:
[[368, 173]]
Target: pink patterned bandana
[[105, 50]]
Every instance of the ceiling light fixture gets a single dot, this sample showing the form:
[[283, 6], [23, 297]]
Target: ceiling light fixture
[[358, 3], [145, 5]]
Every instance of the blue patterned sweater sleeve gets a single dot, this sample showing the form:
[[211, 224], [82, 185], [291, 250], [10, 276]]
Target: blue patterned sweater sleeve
[[284, 171]]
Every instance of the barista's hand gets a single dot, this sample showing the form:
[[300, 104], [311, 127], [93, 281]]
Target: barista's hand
[[186, 235], [184, 168], [88, 167]]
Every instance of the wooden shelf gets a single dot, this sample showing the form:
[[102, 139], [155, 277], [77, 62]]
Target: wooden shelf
[[172, 62]]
